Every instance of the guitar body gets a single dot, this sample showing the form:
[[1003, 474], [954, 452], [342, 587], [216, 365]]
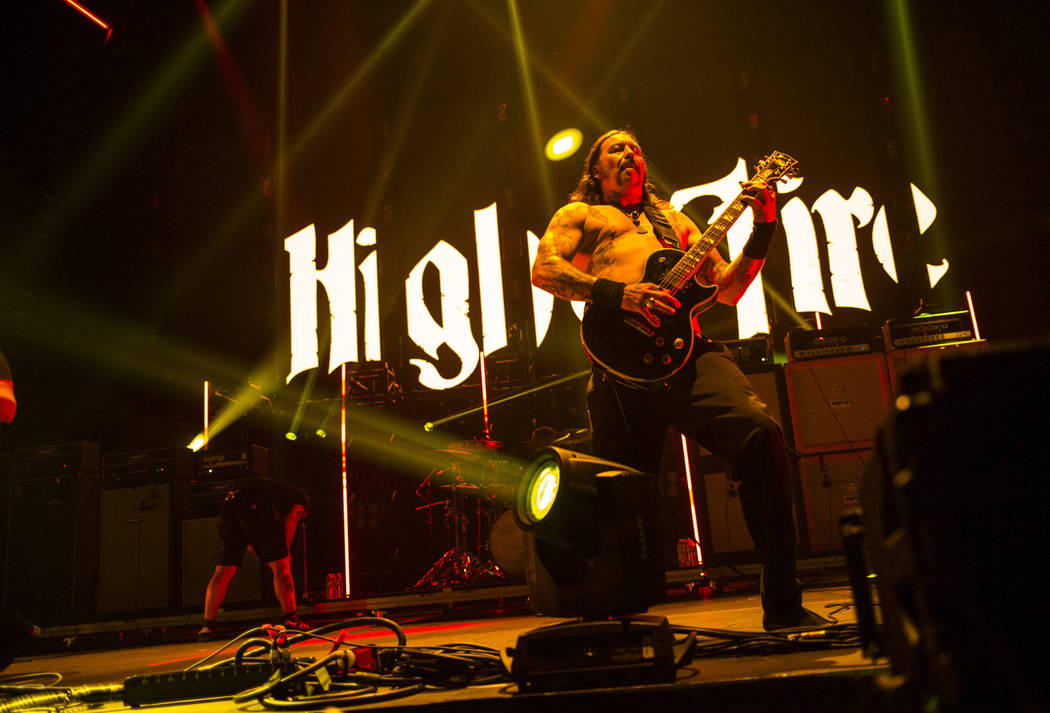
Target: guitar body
[[626, 345]]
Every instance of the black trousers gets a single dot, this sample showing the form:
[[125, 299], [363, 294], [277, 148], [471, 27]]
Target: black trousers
[[713, 403]]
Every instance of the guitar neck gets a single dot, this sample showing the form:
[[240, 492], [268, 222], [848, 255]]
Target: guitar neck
[[688, 265]]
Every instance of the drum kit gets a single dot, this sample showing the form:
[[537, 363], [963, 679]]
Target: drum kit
[[467, 499]]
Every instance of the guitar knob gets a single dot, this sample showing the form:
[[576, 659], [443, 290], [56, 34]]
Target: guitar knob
[[679, 343], [647, 358], [666, 358], [659, 341]]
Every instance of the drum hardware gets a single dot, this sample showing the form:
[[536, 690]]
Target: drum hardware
[[469, 491]]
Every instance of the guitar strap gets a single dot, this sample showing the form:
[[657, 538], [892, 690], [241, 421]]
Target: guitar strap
[[662, 228]]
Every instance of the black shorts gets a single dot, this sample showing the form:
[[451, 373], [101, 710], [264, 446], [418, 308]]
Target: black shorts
[[241, 524]]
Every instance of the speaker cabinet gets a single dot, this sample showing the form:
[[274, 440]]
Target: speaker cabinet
[[831, 483], [901, 361], [52, 547], [201, 548], [767, 385], [836, 404], [722, 524], [135, 549]]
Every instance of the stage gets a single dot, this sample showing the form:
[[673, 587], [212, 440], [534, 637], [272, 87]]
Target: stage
[[766, 675]]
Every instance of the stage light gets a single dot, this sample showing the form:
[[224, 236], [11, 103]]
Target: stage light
[[542, 491], [196, 444], [563, 144], [290, 435], [592, 536], [592, 550], [88, 14], [321, 433]]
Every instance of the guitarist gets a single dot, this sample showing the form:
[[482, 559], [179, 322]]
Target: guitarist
[[595, 249]]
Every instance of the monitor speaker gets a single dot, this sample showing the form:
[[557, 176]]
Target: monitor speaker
[[51, 558]]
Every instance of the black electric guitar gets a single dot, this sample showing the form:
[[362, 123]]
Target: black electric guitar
[[625, 344]]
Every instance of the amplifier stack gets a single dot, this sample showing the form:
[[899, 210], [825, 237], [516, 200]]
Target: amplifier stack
[[131, 533], [141, 492], [51, 557]]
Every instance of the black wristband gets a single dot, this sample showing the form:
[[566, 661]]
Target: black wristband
[[607, 293], [757, 246]]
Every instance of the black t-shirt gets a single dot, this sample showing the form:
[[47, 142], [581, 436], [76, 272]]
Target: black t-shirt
[[267, 492]]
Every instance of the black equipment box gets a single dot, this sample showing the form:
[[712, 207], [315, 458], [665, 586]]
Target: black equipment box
[[588, 654], [253, 460], [928, 329], [155, 465], [754, 354], [47, 461], [803, 344]]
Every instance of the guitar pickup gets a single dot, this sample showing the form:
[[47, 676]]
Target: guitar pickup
[[640, 325]]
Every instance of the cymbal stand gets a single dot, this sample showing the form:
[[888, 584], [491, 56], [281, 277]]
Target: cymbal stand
[[461, 564]]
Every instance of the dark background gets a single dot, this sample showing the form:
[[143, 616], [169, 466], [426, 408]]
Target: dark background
[[144, 218]]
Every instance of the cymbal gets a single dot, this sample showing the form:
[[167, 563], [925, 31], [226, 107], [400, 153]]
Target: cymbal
[[573, 437], [475, 445], [458, 453]]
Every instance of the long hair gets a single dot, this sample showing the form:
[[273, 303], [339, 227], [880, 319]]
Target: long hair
[[589, 189]]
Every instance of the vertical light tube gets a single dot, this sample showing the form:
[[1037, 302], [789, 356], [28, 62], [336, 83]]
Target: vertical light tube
[[819, 325], [346, 502], [484, 393], [973, 317], [208, 389], [692, 503]]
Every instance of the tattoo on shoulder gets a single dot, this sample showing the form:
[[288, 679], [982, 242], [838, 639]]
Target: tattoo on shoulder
[[596, 214]]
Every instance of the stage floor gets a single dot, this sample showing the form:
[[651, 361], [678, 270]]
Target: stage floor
[[823, 679]]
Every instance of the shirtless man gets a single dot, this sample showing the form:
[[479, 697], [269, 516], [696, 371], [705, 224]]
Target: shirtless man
[[595, 249]]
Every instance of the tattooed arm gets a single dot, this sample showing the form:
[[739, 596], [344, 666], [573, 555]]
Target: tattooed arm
[[553, 269]]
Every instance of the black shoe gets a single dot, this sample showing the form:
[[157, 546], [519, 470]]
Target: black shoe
[[296, 624], [804, 619], [207, 634]]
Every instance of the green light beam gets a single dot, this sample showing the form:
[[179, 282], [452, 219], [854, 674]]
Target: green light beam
[[160, 93], [522, 56], [430, 424]]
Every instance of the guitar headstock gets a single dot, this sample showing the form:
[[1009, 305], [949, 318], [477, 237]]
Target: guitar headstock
[[776, 166]]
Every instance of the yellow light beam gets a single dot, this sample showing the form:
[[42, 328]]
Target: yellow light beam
[[385, 47], [596, 120], [530, 103], [614, 68], [406, 114], [135, 352], [252, 199], [462, 414], [161, 92]]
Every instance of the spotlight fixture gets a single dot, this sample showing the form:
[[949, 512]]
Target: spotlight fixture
[[563, 144], [290, 435], [592, 536], [592, 550]]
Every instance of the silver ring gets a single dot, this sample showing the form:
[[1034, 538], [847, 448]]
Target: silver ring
[[650, 303]]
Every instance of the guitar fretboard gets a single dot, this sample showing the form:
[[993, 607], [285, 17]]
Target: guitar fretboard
[[689, 263], [775, 166]]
